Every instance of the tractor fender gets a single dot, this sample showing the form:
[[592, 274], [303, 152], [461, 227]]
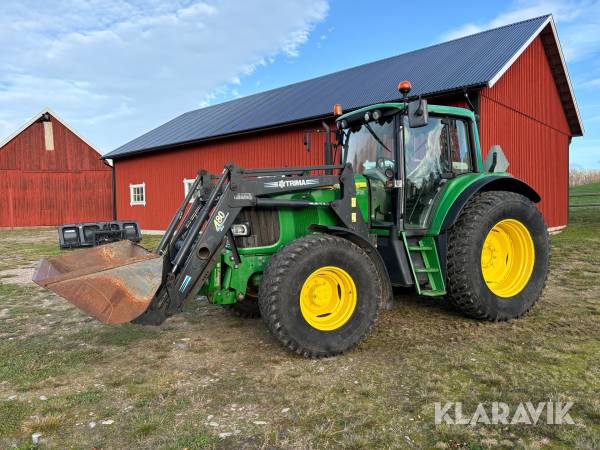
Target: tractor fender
[[491, 183], [369, 248]]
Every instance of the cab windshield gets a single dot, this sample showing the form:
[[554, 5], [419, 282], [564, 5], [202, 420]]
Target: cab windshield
[[369, 147]]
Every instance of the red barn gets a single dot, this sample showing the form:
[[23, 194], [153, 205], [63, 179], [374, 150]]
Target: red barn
[[50, 175], [514, 77]]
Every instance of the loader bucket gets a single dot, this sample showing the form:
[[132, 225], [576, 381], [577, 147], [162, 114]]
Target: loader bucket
[[113, 283]]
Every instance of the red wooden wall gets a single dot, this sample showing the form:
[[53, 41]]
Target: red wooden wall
[[50, 187], [163, 172], [522, 113]]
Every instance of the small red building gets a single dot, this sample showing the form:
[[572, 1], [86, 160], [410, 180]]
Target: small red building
[[50, 175], [514, 77]]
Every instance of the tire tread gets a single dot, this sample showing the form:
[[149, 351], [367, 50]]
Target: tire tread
[[459, 267], [274, 276]]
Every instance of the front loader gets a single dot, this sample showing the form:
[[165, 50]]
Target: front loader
[[404, 200]]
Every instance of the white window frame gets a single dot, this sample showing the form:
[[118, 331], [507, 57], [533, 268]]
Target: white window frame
[[187, 184], [132, 200]]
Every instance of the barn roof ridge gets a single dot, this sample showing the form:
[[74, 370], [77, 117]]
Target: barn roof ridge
[[35, 118], [510, 42]]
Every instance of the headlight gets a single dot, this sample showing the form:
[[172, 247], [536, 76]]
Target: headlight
[[240, 229], [367, 116], [376, 114]]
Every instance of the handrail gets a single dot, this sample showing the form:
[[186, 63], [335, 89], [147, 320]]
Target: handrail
[[292, 169]]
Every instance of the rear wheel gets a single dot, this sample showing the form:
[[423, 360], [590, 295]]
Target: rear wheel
[[498, 252], [320, 295]]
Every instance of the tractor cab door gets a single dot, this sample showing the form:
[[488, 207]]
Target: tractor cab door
[[372, 150], [432, 154]]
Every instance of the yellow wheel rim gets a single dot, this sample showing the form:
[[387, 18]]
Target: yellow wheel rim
[[507, 258], [328, 298]]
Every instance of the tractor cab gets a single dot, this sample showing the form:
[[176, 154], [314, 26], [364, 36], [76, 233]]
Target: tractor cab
[[407, 152]]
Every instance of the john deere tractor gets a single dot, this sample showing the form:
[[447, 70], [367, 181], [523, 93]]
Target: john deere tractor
[[404, 200]]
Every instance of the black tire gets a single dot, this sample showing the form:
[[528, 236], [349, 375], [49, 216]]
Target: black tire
[[279, 294], [467, 289]]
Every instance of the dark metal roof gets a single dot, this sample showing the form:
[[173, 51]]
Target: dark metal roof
[[468, 61]]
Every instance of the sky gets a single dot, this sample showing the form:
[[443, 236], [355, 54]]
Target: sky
[[114, 69]]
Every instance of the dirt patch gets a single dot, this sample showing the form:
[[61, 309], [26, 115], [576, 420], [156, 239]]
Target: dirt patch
[[29, 235], [17, 276]]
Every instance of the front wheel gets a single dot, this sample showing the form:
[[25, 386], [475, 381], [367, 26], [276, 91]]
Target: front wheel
[[498, 256], [320, 295]]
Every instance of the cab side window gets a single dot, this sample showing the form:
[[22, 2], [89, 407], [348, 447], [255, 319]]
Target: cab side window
[[460, 150], [431, 153]]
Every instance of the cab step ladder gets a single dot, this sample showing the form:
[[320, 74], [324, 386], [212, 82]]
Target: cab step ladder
[[425, 250]]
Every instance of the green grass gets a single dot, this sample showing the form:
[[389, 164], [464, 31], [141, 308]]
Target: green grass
[[116, 335], [592, 188], [24, 247], [150, 241], [88, 396], [161, 385], [27, 362], [12, 414], [193, 441], [585, 188]]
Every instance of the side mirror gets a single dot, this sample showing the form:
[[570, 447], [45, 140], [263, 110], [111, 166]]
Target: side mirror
[[417, 113], [307, 140]]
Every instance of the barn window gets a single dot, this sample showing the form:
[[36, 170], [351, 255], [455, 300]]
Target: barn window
[[48, 136], [137, 194], [187, 184]]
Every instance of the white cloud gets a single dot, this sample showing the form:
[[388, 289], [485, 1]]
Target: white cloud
[[117, 68], [578, 21]]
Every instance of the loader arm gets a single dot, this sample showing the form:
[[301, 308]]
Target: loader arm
[[193, 248]]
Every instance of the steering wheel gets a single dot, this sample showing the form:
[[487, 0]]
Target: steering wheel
[[383, 170], [382, 163], [386, 167]]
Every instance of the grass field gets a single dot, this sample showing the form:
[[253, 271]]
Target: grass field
[[588, 198], [206, 379]]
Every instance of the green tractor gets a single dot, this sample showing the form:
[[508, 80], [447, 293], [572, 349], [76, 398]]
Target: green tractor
[[404, 200]]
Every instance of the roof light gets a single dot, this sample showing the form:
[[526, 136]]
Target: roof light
[[367, 116], [376, 114], [337, 109], [404, 87]]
